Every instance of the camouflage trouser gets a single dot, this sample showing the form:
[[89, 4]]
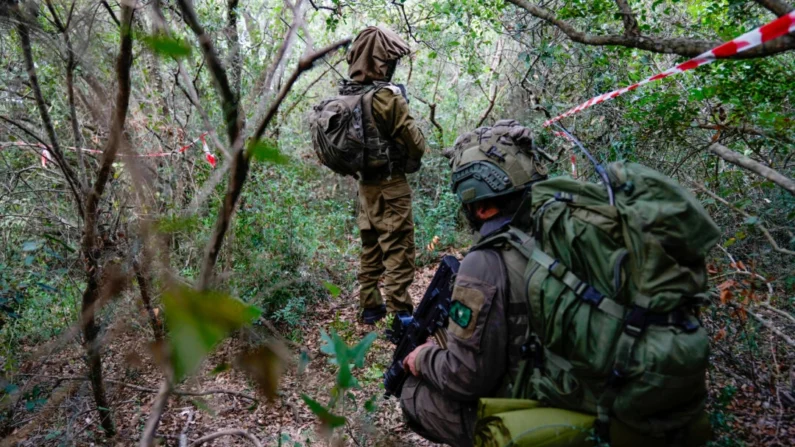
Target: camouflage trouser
[[436, 417], [387, 229]]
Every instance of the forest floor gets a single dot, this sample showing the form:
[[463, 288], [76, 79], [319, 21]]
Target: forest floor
[[132, 379], [744, 411]]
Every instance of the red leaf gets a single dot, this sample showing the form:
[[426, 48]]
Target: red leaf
[[720, 335], [725, 296]]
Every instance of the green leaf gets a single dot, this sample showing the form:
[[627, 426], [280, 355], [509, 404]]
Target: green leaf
[[31, 245], [167, 46], [266, 151], [369, 406], [325, 416], [332, 289], [345, 378], [327, 346], [60, 242], [751, 220], [197, 321], [731, 241], [221, 367], [173, 224], [303, 362], [358, 352]]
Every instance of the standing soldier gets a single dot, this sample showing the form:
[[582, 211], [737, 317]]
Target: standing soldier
[[394, 147]]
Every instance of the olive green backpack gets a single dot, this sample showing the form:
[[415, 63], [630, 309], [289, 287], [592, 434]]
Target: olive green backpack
[[613, 293]]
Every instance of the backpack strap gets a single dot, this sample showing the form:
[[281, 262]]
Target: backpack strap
[[513, 236], [582, 289]]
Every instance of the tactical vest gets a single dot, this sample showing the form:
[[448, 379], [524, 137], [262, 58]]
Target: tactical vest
[[384, 157]]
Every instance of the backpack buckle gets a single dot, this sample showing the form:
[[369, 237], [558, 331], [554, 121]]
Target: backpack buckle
[[531, 350], [564, 197], [592, 296], [636, 321]]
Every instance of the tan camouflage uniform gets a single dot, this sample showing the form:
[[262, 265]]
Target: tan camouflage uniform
[[385, 217]]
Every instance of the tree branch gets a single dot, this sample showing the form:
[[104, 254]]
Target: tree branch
[[761, 227], [628, 17], [747, 129], [235, 60], [240, 165], [158, 407], [71, 178], [777, 7], [189, 89], [681, 46], [229, 101], [71, 64], [753, 166], [307, 89], [89, 250], [112, 14], [432, 117], [230, 432]]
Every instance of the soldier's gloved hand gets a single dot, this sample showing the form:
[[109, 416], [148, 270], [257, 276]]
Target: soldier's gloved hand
[[413, 165], [410, 362]]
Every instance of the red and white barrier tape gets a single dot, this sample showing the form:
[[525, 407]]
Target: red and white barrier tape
[[47, 157], [773, 30], [207, 154]]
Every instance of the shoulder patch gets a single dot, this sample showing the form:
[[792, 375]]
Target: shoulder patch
[[467, 303], [460, 314]]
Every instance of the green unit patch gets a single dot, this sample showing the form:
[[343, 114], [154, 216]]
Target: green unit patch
[[460, 314]]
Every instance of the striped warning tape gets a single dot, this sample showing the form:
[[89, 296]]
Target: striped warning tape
[[773, 30], [46, 156]]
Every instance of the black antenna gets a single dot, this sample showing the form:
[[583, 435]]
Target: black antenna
[[599, 168]]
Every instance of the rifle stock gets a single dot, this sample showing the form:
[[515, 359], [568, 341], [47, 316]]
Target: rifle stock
[[430, 316]]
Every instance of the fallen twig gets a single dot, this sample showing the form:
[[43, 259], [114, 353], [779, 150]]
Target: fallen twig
[[761, 227], [150, 390], [772, 328], [230, 432]]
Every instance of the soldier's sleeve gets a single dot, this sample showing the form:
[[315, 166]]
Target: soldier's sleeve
[[475, 360], [394, 119]]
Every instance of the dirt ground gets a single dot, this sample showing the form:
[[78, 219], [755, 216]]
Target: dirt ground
[[744, 411], [132, 379]]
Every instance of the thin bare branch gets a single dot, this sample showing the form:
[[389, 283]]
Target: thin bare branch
[[240, 165], [158, 407], [777, 7], [71, 177], [89, 241], [757, 168], [229, 432], [761, 227], [628, 17], [229, 101], [675, 45]]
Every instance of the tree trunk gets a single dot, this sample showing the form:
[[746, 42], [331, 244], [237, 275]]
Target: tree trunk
[[89, 248]]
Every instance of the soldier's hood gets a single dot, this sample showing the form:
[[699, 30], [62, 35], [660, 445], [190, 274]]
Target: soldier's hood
[[373, 49]]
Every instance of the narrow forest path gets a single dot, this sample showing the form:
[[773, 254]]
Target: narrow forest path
[[132, 378]]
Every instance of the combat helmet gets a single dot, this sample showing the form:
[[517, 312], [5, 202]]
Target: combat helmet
[[495, 161]]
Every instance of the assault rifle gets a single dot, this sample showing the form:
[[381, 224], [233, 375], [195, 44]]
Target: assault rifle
[[431, 315]]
